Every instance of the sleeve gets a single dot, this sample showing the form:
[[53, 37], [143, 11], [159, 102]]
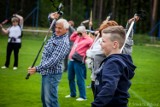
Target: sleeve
[[50, 22], [5, 31], [21, 20], [129, 42], [90, 42], [110, 78], [59, 53], [71, 29], [89, 53], [94, 49], [74, 36]]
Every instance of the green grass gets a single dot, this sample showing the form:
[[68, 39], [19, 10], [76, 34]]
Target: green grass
[[15, 91]]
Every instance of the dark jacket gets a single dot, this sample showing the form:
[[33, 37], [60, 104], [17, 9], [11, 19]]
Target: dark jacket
[[113, 81]]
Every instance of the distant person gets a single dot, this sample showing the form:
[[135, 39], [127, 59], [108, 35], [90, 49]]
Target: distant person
[[76, 66], [14, 40], [116, 70], [55, 50], [70, 31]]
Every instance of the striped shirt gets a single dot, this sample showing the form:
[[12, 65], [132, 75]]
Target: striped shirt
[[55, 50]]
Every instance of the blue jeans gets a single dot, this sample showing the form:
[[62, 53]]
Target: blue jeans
[[49, 92], [77, 69]]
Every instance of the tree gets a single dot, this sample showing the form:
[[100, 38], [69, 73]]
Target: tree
[[154, 14], [78, 10]]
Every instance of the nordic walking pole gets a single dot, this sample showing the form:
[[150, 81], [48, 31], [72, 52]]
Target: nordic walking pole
[[142, 15], [128, 32], [6, 20], [27, 76], [53, 21]]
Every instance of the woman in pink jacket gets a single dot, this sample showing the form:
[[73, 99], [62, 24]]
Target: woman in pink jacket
[[76, 66]]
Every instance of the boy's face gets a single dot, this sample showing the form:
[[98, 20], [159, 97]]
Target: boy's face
[[60, 30], [106, 44]]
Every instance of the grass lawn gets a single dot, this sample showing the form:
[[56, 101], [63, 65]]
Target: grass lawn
[[15, 91]]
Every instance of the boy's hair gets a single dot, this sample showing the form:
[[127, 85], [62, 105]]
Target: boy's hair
[[117, 33], [106, 24]]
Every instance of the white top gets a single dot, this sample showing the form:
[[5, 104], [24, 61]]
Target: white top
[[91, 55], [15, 32], [96, 49]]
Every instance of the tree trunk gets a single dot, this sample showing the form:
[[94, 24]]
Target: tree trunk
[[22, 3], [71, 7], [100, 11], [94, 9], [154, 15], [113, 8]]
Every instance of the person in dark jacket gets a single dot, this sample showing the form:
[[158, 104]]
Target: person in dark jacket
[[116, 70]]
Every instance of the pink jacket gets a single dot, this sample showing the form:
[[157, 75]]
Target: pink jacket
[[81, 44]]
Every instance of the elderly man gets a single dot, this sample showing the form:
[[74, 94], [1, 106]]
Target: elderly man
[[55, 50]]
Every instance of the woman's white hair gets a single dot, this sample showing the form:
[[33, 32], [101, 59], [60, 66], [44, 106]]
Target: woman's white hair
[[64, 22], [81, 29]]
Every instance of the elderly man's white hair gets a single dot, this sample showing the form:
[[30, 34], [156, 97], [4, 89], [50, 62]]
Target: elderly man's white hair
[[64, 22]]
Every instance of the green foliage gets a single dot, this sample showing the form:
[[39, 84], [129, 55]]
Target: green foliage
[[18, 92], [77, 16], [44, 12], [142, 39]]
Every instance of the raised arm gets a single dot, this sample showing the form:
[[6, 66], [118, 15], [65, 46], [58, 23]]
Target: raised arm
[[3, 30], [129, 42], [21, 20], [51, 17]]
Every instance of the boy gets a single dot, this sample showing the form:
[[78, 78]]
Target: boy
[[116, 70]]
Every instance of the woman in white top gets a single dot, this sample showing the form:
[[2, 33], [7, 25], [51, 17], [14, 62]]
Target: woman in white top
[[14, 39]]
